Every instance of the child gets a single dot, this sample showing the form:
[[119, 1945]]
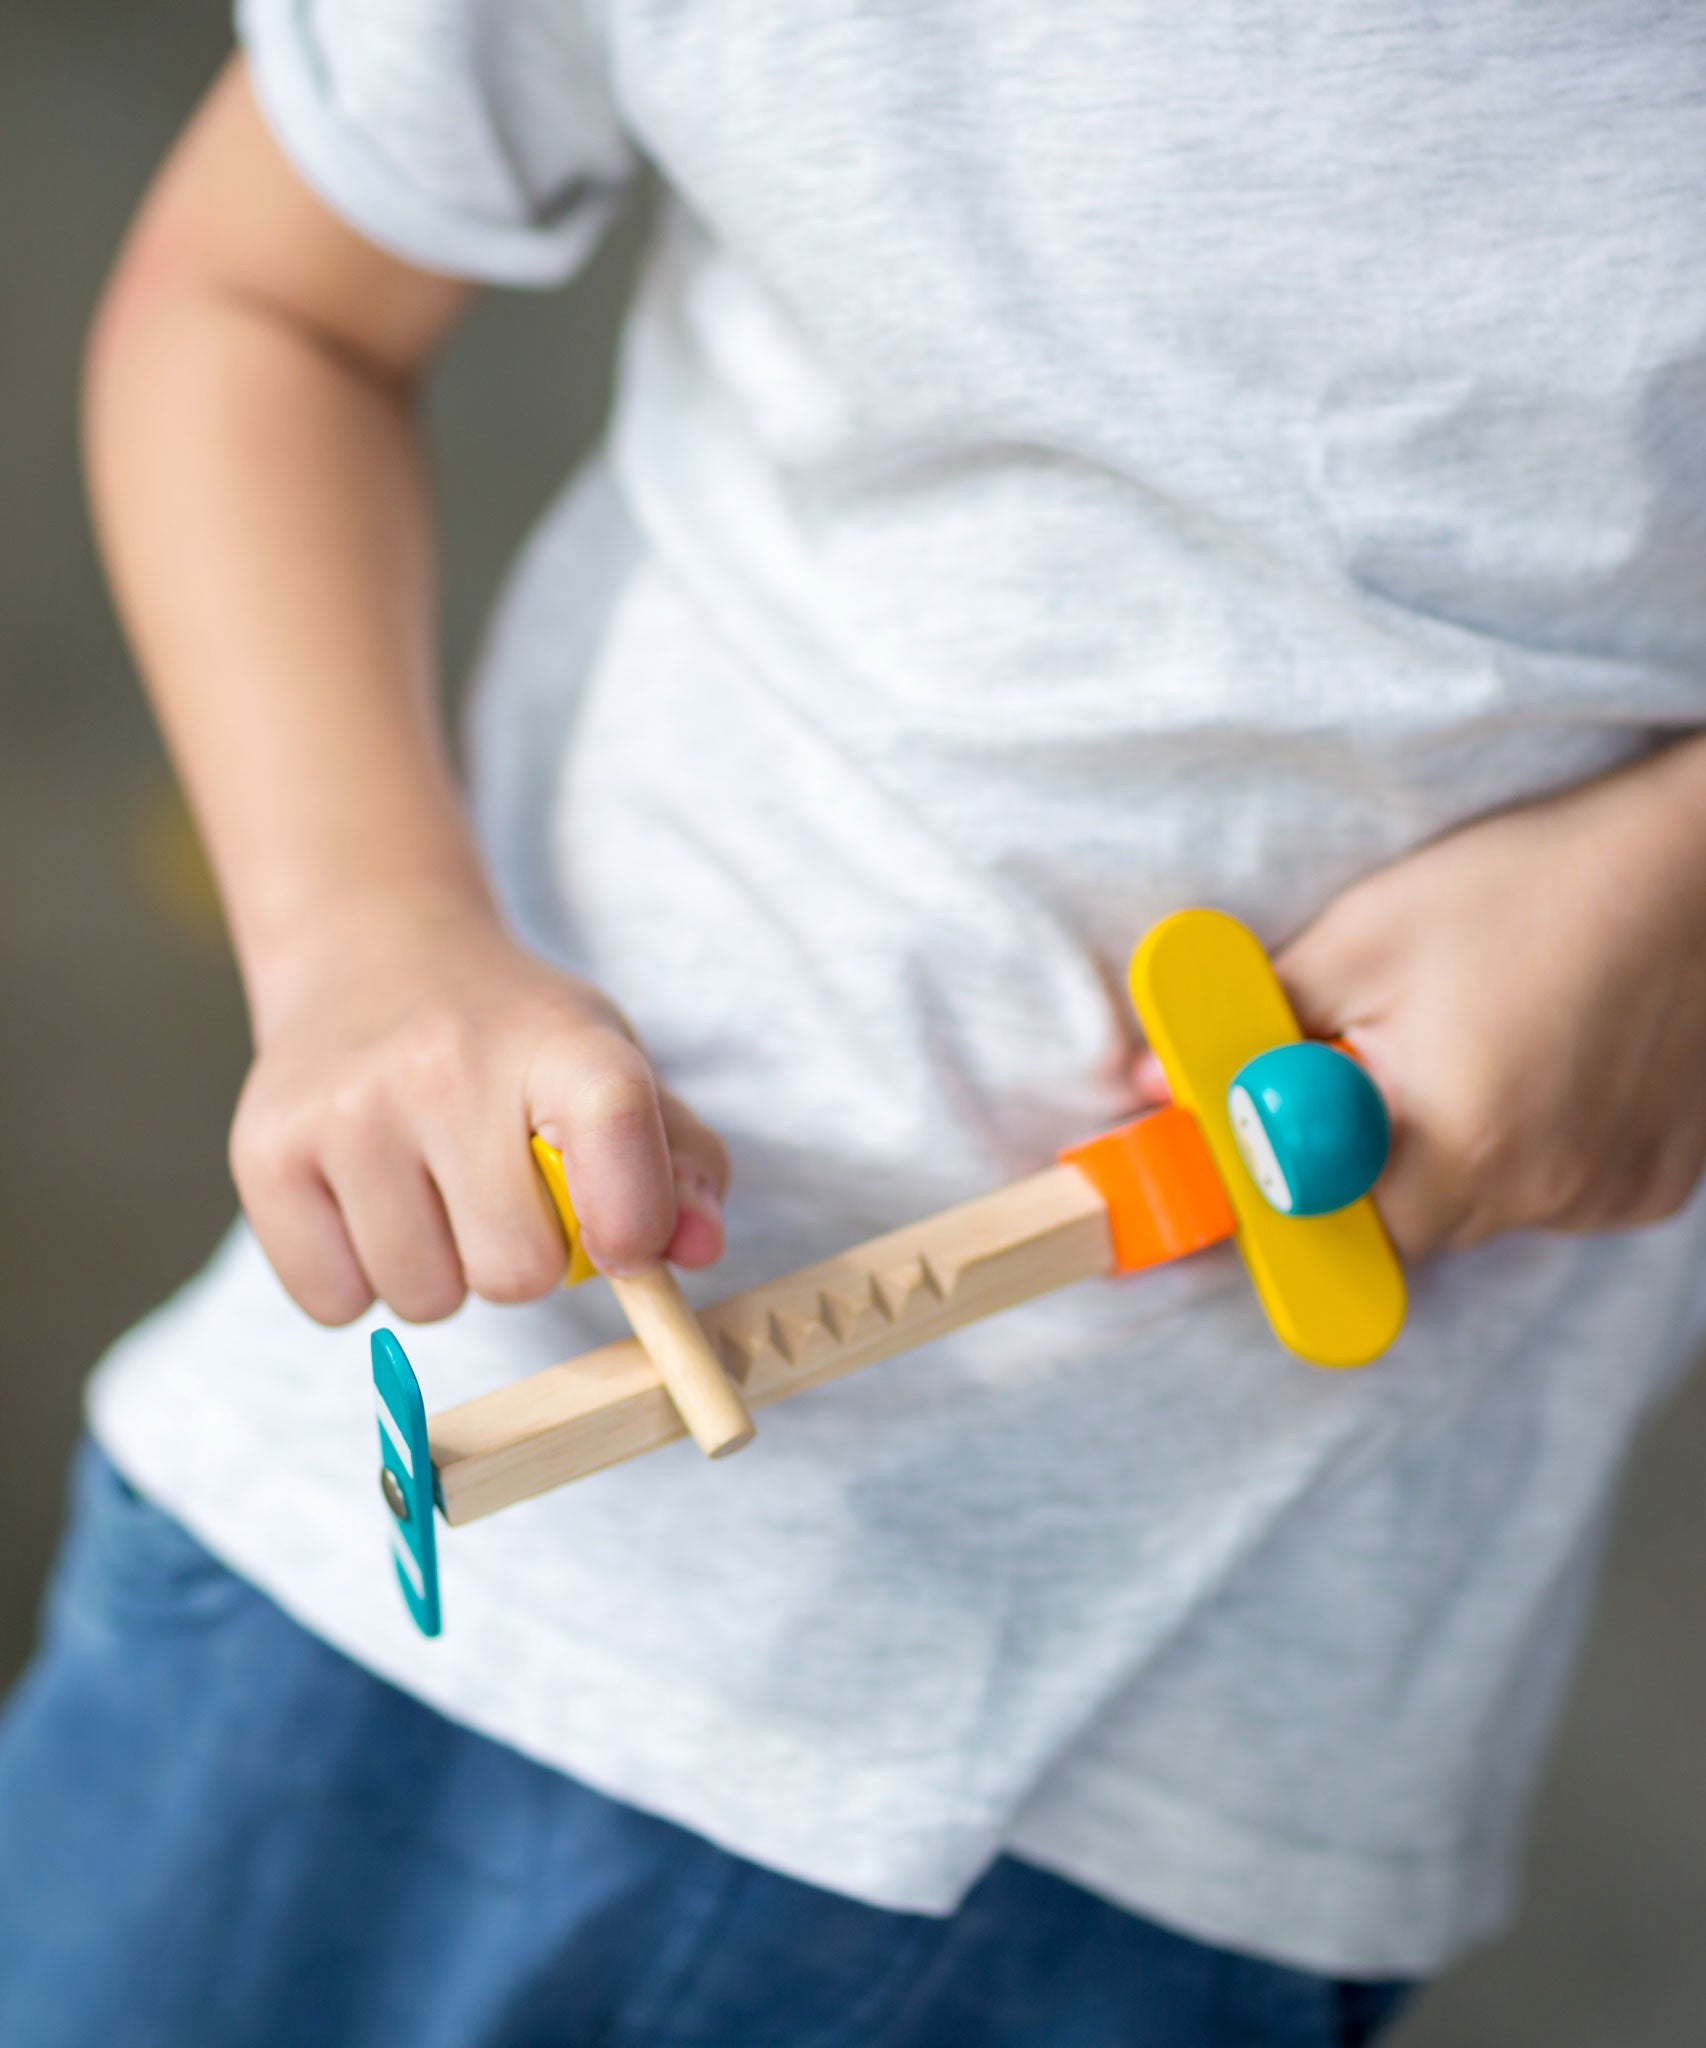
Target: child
[[1069, 464]]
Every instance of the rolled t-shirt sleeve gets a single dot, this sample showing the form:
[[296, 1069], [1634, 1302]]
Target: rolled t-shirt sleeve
[[472, 137]]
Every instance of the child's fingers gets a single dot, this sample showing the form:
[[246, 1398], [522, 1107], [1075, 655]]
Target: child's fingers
[[1149, 1081], [593, 1097], [396, 1222], [1334, 967], [299, 1226], [507, 1234], [701, 1163]]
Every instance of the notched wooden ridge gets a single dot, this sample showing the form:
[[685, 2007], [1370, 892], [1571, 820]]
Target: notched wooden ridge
[[800, 1322]]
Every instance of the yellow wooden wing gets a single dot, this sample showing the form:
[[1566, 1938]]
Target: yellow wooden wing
[[1209, 1000], [550, 1164]]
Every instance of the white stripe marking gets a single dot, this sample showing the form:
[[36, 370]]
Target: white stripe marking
[[406, 1558], [399, 1442]]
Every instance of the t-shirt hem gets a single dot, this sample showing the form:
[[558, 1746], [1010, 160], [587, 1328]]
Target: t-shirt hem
[[1309, 1905]]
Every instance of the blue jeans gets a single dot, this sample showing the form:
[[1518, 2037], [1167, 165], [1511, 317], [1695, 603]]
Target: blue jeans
[[215, 1832]]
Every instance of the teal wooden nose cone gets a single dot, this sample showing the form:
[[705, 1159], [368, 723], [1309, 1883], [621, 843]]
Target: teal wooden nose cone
[[1310, 1126]]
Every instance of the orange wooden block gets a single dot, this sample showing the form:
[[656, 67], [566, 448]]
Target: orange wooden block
[[1159, 1181]]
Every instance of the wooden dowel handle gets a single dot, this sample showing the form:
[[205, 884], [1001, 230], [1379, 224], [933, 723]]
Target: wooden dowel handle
[[704, 1396]]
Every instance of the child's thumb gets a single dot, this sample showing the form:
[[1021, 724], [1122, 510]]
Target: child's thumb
[[596, 1101]]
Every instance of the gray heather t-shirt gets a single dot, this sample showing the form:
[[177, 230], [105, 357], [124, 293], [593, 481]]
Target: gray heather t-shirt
[[1072, 462]]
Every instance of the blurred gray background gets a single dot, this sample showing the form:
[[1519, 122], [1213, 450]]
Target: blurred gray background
[[122, 1035]]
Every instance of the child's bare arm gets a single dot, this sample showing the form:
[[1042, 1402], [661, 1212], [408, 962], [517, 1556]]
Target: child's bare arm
[[263, 507]]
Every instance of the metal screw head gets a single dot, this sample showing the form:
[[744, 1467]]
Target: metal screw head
[[392, 1488]]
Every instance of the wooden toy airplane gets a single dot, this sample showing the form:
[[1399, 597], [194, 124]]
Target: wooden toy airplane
[[1271, 1140]]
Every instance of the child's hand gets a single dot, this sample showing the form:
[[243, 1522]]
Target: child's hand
[[1530, 995], [380, 1144]]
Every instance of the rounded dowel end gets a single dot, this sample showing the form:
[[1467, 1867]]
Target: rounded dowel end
[[704, 1395]]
